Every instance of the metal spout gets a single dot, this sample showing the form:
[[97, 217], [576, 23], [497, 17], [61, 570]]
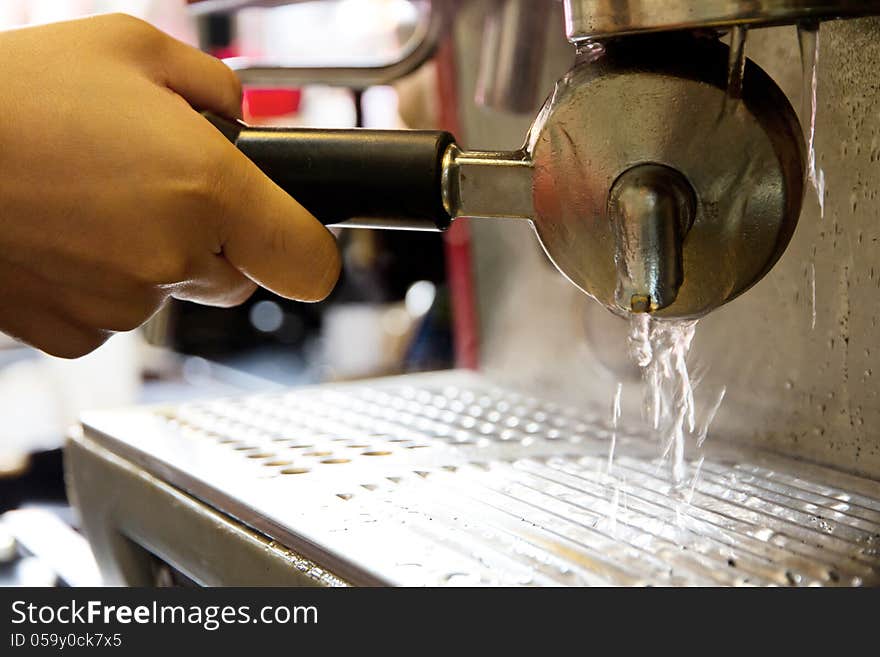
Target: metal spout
[[651, 207]]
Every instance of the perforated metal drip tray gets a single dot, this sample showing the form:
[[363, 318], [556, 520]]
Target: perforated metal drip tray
[[448, 480]]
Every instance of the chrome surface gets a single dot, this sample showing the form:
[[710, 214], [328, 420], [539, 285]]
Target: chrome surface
[[652, 209], [590, 19], [487, 184], [446, 479], [132, 519], [423, 44], [203, 7], [512, 55], [797, 354], [650, 102], [389, 223], [663, 100]]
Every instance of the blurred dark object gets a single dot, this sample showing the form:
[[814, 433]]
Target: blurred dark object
[[265, 319], [42, 480], [432, 346], [217, 34], [380, 266]]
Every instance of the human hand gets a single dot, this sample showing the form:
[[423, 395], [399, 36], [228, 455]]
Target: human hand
[[116, 194]]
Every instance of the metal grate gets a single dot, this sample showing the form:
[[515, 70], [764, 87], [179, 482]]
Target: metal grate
[[448, 480]]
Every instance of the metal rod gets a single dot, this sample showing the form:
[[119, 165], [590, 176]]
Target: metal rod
[[286, 74]]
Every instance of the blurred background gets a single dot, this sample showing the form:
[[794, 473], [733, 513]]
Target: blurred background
[[389, 314]]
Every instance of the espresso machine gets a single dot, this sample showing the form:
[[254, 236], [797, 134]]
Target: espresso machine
[[667, 174]]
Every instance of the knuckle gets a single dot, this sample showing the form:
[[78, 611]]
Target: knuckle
[[130, 24], [135, 36], [127, 28]]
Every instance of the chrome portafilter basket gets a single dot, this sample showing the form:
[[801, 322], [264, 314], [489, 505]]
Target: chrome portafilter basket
[[650, 185], [656, 189]]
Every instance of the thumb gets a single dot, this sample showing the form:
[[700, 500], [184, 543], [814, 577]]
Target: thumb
[[271, 238]]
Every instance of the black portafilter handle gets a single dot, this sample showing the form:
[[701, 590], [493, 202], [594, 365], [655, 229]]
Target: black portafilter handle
[[389, 178]]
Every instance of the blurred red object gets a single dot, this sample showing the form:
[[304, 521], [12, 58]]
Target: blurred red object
[[268, 103]]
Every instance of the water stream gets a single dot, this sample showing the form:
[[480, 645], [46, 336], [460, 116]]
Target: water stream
[[660, 349], [615, 420], [808, 38]]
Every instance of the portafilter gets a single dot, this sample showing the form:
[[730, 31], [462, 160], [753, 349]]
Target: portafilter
[[650, 183]]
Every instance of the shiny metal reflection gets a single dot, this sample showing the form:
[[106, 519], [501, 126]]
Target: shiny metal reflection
[[590, 19], [651, 208], [521, 497], [512, 55], [664, 101]]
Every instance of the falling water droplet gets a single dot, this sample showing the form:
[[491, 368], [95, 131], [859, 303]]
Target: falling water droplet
[[615, 418], [690, 495], [710, 416], [813, 296]]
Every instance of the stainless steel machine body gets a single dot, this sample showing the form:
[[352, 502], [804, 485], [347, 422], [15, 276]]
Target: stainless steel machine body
[[504, 477], [592, 19], [797, 353]]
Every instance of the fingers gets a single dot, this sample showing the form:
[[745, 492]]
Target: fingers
[[219, 284], [69, 322], [264, 233], [58, 336], [91, 310], [86, 316], [271, 238], [203, 81]]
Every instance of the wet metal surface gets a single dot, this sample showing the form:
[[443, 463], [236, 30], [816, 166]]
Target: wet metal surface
[[798, 352], [446, 479]]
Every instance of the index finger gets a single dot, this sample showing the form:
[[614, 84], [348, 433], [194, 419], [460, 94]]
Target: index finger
[[203, 81]]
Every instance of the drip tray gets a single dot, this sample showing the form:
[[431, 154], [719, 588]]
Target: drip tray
[[446, 479]]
